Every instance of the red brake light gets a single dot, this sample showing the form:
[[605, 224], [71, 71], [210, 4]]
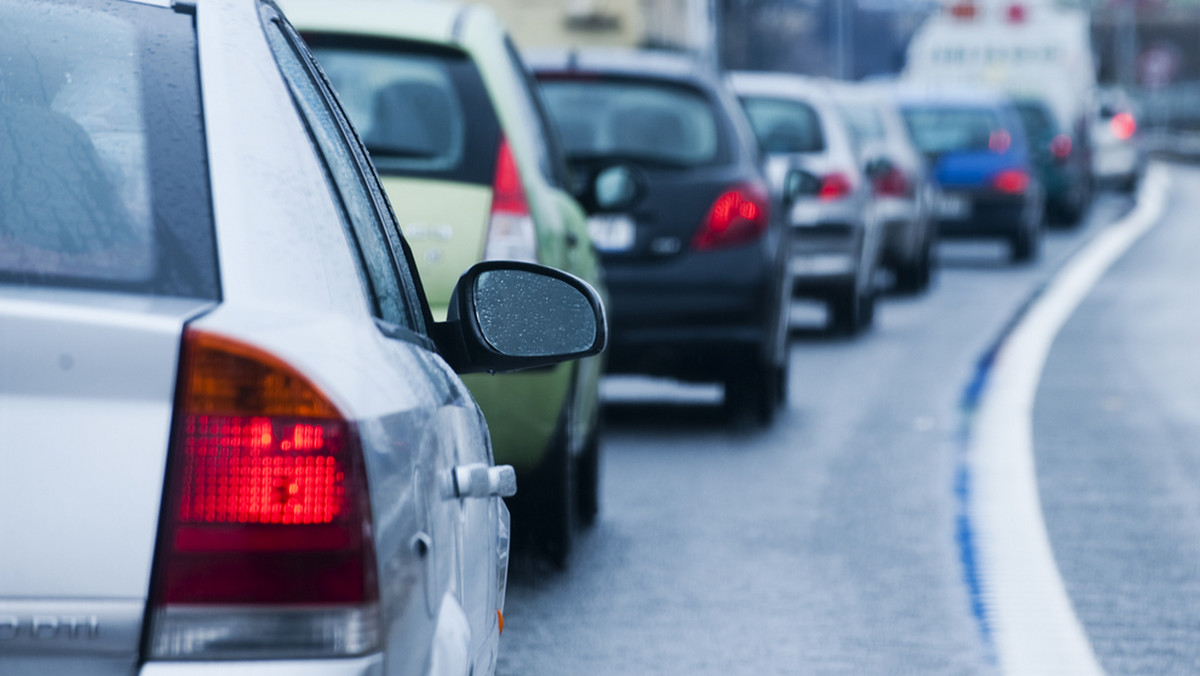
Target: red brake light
[[1061, 146], [962, 10], [1123, 126], [834, 187], [508, 195], [1012, 181], [511, 234], [738, 216], [1000, 141], [1017, 13], [893, 184], [266, 508]]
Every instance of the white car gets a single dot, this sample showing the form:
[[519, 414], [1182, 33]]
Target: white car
[[233, 438], [1117, 155]]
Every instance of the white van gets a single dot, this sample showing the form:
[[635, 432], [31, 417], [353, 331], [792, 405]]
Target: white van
[[1027, 49]]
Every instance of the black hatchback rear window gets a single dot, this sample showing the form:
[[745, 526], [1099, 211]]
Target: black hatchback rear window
[[103, 177], [649, 121], [422, 110]]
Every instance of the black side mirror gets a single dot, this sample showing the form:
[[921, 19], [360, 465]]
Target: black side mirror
[[508, 315], [878, 168], [797, 184], [609, 187]]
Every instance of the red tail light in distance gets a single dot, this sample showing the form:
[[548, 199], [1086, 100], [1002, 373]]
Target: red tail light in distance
[[893, 183], [1012, 181], [1060, 146], [738, 216], [834, 187], [1123, 126], [266, 546]]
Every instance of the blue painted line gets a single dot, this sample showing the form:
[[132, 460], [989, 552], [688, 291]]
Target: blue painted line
[[965, 535]]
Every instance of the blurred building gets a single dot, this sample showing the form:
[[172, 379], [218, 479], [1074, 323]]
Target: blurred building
[[838, 38]]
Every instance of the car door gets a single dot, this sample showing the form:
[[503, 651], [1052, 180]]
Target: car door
[[411, 456]]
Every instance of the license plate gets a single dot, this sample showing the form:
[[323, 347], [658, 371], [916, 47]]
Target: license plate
[[822, 264], [953, 207], [611, 232]]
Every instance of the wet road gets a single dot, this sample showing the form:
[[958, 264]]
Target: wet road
[[826, 544], [1117, 431]]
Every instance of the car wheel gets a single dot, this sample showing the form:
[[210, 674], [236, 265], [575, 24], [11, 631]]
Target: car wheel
[[752, 392], [914, 276], [587, 478], [543, 510], [1024, 245], [851, 311]]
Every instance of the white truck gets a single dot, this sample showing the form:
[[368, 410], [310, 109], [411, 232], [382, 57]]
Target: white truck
[[1027, 49]]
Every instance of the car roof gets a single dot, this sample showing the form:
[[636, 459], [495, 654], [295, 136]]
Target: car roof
[[424, 20], [787, 85], [912, 93], [633, 62]]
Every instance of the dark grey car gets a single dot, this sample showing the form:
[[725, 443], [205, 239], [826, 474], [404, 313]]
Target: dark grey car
[[692, 248]]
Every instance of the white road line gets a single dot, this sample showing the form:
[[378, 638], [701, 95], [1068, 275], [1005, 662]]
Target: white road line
[[1032, 621]]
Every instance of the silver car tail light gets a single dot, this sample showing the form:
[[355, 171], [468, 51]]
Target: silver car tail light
[[265, 548]]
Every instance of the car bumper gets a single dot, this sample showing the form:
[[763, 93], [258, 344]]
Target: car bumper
[[1116, 161], [824, 258], [985, 215], [370, 665], [680, 317], [902, 230]]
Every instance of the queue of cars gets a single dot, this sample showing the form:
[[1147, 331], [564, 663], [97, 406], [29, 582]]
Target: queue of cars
[[250, 359]]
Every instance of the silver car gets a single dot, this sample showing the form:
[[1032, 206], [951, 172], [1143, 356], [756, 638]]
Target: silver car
[[835, 236], [905, 193], [233, 440]]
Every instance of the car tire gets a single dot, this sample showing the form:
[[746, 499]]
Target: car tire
[[1025, 244], [914, 277], [555, 518], [587, 478], [543, 510], [851, 311], [752, 392]]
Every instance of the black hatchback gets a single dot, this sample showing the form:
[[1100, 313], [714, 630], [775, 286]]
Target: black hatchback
[[688, 232]]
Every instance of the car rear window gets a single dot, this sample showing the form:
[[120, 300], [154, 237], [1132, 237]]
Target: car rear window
[[937, 129], [863, 120], [421, 110], [784, 125], [1038, 121], [103, 178], [657, 123]]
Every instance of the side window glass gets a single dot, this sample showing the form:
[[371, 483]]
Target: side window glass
[[392, 287]]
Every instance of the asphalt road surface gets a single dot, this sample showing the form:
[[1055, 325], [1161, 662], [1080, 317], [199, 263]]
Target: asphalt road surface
[[827, 544]]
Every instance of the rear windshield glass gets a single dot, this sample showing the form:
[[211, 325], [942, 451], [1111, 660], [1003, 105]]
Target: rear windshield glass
[[1038, 122], [103, 182], [863, 120], [785, 125], [651, 122], [421, 110], [939, 130]]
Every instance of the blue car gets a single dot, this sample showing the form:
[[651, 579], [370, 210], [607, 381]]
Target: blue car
[[979, 154]]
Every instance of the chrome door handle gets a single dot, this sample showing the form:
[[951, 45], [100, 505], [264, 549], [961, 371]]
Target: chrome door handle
[[484, 481]]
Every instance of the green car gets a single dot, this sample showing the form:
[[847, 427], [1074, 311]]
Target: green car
[[458, 135]]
